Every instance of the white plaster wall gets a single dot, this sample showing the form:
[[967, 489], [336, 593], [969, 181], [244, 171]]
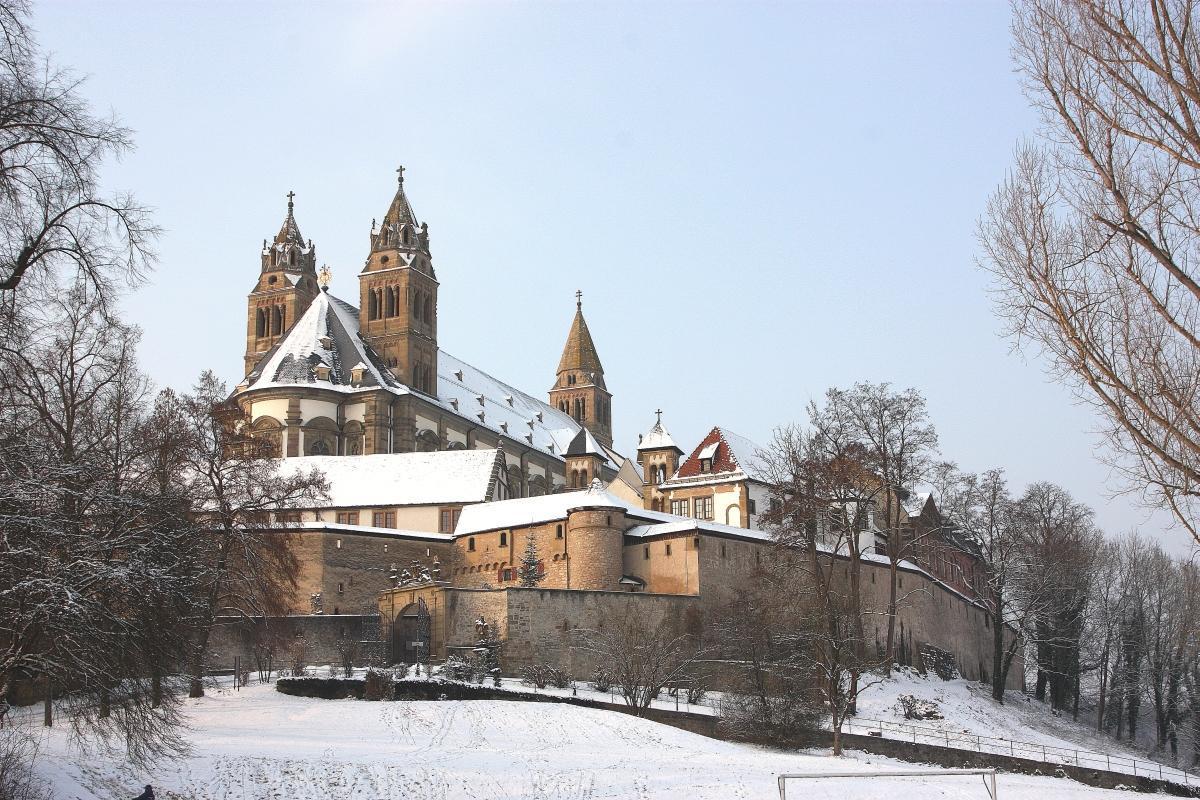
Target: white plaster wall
[[311, 409], [725, 498], [426, 422], [762, 499], [453, 435], [356, 412], [270, 408]]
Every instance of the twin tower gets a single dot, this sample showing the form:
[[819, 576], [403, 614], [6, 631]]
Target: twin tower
[[397, 311]]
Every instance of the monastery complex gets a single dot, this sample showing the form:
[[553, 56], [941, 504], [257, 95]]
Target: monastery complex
[[441, 473]]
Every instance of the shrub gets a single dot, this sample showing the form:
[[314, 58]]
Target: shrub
[[558, 678], [380, 685], [457, 669], [602, 679], [696, 690], [916, 708], [298, 655], [535, 675]]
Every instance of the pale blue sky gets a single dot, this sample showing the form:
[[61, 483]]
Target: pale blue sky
[[757, 200]]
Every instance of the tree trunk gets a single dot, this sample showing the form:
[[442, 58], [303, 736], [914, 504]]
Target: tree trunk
[[48, 707]]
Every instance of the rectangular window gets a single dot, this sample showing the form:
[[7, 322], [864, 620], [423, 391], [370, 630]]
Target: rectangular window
[[704, 508], [507, 576], [723, 553], [471, 544], [289, 516], [681, 508], [448, 519], [558, 531], [384, 519], [385, 547], [338, 544], [347, 517], [668, 548], [504, 538], [751, 506], [646, 553]]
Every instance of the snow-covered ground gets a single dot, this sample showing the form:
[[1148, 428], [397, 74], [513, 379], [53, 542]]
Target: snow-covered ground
[[260, 744], [1022, 726]]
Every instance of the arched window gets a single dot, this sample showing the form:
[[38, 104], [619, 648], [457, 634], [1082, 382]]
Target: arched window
[[319, 448], [372, 305], [260, 323], [404, 235], [292, 258], [276, 321], [416, 304], [429, 309], [390, 306]]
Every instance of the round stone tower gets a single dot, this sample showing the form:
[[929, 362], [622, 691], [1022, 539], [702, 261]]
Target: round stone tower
[[596, 542]]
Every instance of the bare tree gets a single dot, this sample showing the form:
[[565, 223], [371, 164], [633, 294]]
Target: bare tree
[[82, 531], [821, 493], [894, 443], [1094, 236], [643, 658], [238, 491], [55, 222], [1057, 548]]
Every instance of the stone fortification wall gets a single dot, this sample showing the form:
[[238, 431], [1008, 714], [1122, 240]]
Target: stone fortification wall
[[541, 625]]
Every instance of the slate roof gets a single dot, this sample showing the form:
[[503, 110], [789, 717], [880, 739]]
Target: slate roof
[[328, 333]]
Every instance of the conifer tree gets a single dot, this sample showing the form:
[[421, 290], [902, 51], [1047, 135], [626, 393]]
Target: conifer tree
[[529, 572]]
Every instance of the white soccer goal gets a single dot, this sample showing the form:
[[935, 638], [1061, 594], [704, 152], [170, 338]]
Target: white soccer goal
[[988, 775]]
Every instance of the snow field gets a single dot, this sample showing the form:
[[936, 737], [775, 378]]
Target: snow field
[[258, 743]]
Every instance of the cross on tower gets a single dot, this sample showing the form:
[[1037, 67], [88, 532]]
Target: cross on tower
[[578, 299], [659, 414], [290, 196], [400, 172]]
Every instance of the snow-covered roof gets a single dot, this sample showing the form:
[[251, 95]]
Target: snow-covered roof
[[585, 444], [684, 525], [746, 452], [658, 437], [328, 334], [523, 511], [403, 479], [733, 457], [395, 533]]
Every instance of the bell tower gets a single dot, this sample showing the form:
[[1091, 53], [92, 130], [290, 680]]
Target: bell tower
[[287, 284], [579, 389], [398, 296]]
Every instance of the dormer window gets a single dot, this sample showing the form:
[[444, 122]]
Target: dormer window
[[322, 372], [356, 373], [706, 465], [706, 457], [571, 380]]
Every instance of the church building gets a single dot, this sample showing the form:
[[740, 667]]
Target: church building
[[325, 377]]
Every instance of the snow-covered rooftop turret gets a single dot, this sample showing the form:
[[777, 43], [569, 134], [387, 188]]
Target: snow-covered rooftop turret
[[658, 438]]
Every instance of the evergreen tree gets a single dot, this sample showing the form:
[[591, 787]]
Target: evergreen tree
[[529, 572]]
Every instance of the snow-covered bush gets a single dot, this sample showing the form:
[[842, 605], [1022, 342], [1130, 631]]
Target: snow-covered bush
[[602, 679], [537, 675], [458, 669], [915, 708], [558, 678]]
